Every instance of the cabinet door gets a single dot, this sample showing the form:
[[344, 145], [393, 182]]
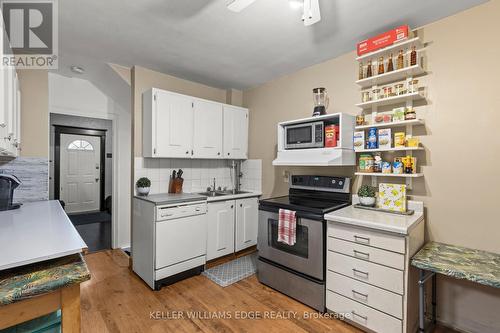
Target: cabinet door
[[173, 121], [220, 236], [235, 132], [246, 223], [207, 129]]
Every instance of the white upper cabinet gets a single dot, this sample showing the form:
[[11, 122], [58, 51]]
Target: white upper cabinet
[[180, 126], [167, 124], [235, 132], [207, 136]]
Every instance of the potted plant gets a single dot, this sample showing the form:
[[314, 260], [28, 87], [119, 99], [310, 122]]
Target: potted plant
[[143, 186], [366, 194]]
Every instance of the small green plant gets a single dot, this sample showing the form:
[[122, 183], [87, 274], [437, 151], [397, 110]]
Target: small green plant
[[143, 182], [367, 191]]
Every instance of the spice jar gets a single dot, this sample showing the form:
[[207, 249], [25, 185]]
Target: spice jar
[[376, 94], [360, 120], [387, 92], [400, 89], [410, 114], [365, 96], [413, 86]]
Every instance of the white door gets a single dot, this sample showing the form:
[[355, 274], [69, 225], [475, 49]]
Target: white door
[[235, 132], [246, 223], [207, 129], [174, 125], [220, 240], [80, 174]]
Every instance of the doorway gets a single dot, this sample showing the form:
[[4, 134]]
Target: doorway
[[79, 182]]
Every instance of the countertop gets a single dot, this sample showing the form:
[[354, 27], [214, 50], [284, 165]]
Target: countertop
[[460, 263], [37, 231], [171, 198], [399, 224]]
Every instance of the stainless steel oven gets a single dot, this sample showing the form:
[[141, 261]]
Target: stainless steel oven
[[305, 257], [305, 135]]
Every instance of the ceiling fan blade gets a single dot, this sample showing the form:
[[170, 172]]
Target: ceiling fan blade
[[238, 5], [312, 13]]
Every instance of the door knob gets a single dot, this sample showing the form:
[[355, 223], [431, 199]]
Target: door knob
[[96, 180]]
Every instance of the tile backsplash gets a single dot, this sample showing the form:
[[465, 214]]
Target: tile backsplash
[[198, 174], [34, 175]]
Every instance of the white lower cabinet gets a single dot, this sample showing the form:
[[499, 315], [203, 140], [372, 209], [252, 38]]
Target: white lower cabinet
[[232, 226], [220, 237], [369, 279], [246, 223]]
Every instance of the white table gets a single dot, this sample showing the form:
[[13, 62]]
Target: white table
[[37, 232]]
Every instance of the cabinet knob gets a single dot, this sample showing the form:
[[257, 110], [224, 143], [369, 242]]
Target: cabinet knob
[[187, 153], [241, 205], [218, 153], [232, 206], [228, 154]]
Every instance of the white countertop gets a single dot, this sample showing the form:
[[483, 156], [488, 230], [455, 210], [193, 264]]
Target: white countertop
[[171, 198], [400, 224], [37, 231]]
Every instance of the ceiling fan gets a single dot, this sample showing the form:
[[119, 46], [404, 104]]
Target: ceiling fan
[[310, 16]]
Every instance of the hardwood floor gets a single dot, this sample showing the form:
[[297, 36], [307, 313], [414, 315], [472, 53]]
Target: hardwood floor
[[116, 300]]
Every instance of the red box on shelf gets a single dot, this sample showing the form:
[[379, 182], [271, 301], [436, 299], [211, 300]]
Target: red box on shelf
[[383, 40], [331, 135]]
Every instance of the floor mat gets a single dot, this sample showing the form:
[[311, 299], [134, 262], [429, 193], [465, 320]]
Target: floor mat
[[86, 218], [233, 271], [94, 228]]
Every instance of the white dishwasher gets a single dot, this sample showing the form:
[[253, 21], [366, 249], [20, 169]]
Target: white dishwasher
[[169, 241]]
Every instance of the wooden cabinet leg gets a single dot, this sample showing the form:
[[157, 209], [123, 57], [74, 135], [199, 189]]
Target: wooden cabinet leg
[[70, 309]]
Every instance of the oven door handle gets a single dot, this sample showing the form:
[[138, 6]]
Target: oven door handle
[[298, 214]]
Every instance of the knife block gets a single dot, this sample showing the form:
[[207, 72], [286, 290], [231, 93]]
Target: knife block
[[175, 185]]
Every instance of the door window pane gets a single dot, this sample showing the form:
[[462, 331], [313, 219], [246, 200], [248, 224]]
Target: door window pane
[[80, 145]]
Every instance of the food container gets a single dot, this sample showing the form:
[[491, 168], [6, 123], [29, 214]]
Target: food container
[[412, 142], [365, 96], [330, 136], [360, 120], [399, 139], [377, 163], [387, 92], [409, 164], [397, 166], [372, 138], [366, 163], [410, 114], [387, 118], [384, 138], [376, 94], [359, 140], [386, 167], [379, 118], [400, 89], [398, 114], [412, 86]]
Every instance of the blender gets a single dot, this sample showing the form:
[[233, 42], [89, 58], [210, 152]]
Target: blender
[[321, 101]]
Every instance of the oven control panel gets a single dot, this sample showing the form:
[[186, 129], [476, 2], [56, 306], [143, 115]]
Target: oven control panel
[[324, 183]]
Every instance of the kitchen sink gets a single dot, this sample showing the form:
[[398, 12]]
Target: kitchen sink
[[213, 194], [230, 192]]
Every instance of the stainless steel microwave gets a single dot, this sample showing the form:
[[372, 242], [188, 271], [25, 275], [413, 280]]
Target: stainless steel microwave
[[305, 135]]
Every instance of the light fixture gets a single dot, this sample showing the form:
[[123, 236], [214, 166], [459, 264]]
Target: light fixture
[[311, 12], [77, 69], [296, 4], [238, 5]]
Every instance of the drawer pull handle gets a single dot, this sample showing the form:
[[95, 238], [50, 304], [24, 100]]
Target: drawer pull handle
[[365, 318], [361, 239], [354, 292], [364, 255], [358, 273]]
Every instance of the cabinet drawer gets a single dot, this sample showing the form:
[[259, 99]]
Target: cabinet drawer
[[367, 237], [374, 274], [371, 254], [377, 298], [362, 315]]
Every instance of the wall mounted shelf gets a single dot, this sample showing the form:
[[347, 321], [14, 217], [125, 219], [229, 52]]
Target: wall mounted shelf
[[389, 149], [414, 122], [375, 174], [396, 75], [406, 44], [392, 100]]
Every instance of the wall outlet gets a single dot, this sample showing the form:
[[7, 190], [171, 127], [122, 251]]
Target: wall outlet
[[286, 176]]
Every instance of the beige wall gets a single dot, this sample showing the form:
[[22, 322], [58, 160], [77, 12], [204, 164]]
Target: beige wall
[[34, 113], [462, 152], [144, 79]]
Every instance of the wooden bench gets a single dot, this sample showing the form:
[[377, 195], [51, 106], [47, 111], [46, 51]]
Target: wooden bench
[[458, 262], [35, 290]]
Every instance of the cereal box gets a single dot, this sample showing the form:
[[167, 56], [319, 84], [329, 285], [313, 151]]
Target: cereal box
[[384, 138], [359, 140]]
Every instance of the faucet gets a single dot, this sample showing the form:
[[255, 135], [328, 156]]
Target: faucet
[[214, 188]]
